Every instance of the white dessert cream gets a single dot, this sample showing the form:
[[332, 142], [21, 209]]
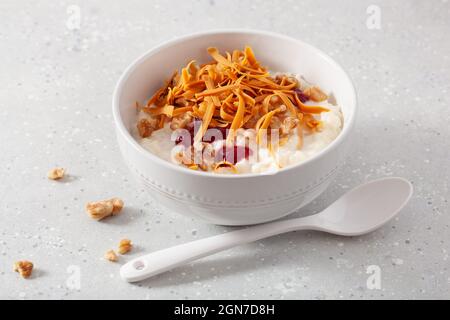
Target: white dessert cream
[[255, 122]]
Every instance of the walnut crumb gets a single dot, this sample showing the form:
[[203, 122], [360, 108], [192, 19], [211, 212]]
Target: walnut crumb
[[181, 121], [288, 125], [117, 205], [24, 268], [125, 246], [315, 94], [110, 255], [146, 126], [56, 173], [105, 208]]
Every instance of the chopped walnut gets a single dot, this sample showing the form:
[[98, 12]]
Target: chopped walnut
[[288, 124], [102, 209], [24, 268], [56, 173], [315, 94], [125, 246], [275, 123], [110, 255], [275, 101], [181, 121], [284, 126], [199, 156], [147, 126], [117, 205]]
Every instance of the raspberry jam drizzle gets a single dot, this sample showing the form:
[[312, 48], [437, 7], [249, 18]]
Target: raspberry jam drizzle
[[301, 96], [231, 154]]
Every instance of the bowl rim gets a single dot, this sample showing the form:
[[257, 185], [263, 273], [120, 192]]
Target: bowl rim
[[118, 121]]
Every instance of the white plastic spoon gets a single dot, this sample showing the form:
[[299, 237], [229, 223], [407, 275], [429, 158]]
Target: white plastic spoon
[[359, 211]]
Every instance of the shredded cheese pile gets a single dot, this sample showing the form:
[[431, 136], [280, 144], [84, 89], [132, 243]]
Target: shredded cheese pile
[[232, 91]]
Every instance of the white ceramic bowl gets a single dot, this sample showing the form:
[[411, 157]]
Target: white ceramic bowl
[[232, 199]]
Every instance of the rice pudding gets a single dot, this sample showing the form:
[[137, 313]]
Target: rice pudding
[[232, 116]]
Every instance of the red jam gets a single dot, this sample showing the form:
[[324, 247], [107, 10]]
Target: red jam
[[301, 96], [230, 154], [211, 135]]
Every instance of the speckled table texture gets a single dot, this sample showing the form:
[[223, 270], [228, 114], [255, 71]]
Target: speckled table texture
[[60, 62]]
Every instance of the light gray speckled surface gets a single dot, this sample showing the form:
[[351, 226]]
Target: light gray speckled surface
[[55, 109]]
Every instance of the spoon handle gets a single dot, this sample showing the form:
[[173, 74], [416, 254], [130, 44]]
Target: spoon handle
[[163, 260]]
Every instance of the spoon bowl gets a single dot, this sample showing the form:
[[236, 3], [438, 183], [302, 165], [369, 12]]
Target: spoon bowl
[[366, 207], [359, 211]]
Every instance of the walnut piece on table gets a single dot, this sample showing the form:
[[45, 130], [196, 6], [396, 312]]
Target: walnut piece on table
[[24, 268], [101, 209], [110, 255], [125, 246], [56, 173]]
